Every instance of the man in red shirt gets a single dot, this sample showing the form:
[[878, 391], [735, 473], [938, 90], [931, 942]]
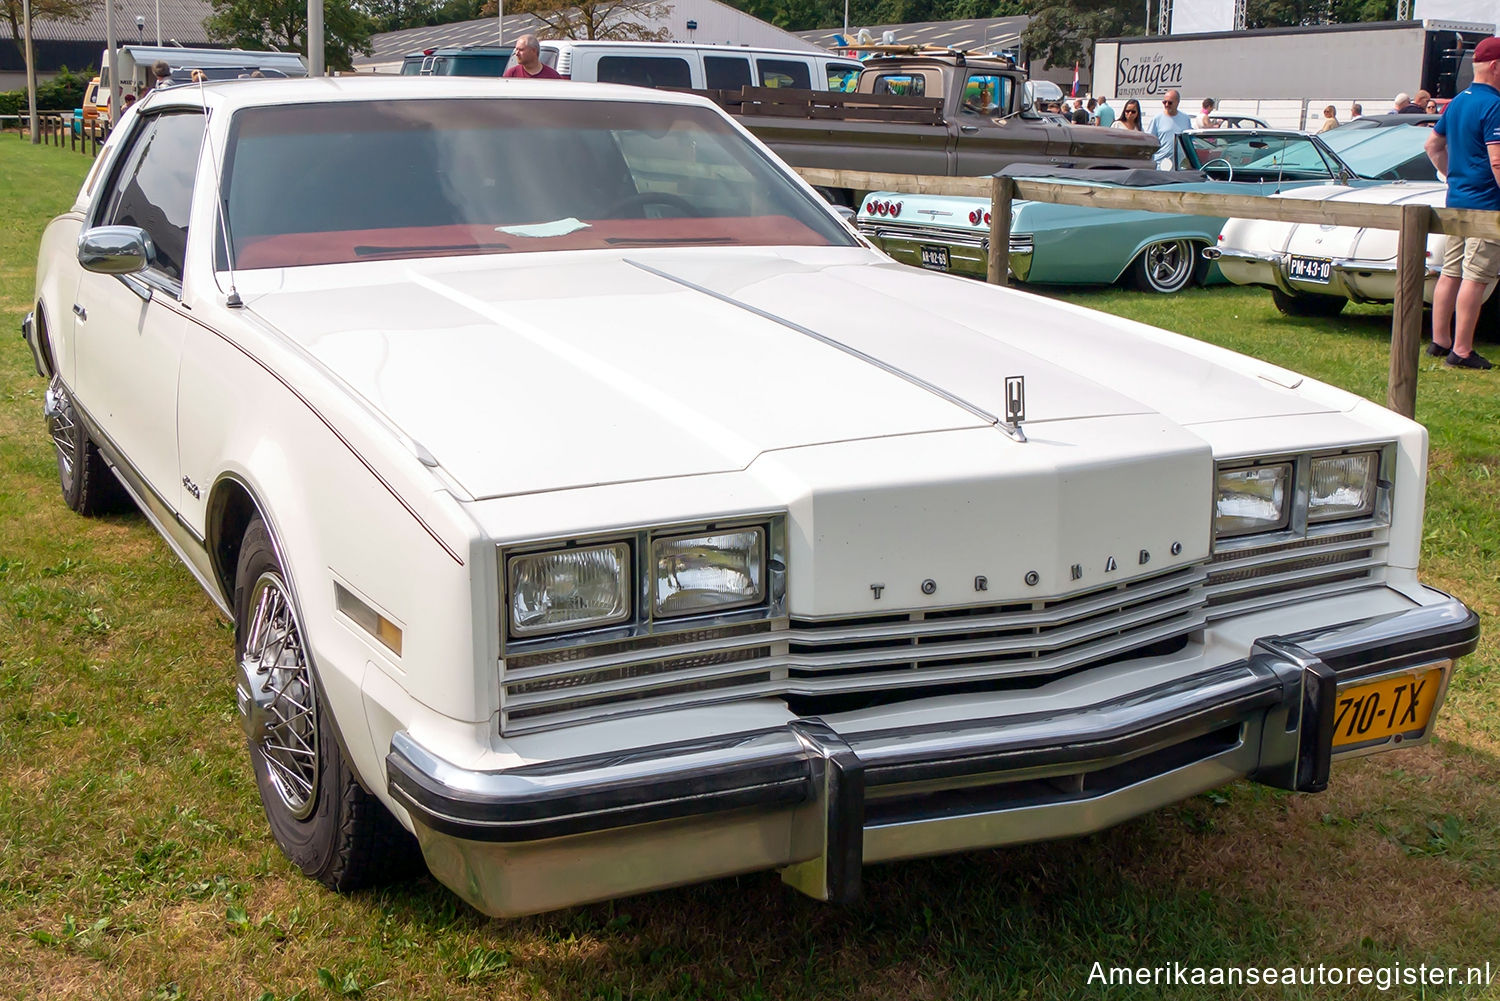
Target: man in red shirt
[[529, 63]]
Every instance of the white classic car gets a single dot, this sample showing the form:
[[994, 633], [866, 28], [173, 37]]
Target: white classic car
[[1314, 269], [593, 503]]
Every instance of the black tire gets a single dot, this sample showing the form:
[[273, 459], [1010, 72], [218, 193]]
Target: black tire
[[1167, 267], [323, 820], [88, 486], [1308, 305]]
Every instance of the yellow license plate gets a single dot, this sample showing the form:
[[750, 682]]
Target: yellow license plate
[[1395, 709]]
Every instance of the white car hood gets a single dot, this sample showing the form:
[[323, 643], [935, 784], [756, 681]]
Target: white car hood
[[552, 371]]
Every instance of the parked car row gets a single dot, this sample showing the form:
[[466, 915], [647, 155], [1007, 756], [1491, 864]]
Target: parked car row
[[597, 512], [1055, 244]]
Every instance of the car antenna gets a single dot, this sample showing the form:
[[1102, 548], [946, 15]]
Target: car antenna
[[221, 208]]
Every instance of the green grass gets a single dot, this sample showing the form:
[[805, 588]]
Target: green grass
[[134, 862]]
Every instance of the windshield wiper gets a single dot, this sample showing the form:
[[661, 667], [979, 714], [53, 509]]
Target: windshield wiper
[[367, 250]]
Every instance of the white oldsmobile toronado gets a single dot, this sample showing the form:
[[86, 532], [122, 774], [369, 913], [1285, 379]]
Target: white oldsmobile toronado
[[593, 504]]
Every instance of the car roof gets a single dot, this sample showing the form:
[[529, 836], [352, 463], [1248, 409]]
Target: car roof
[[606, 43], [231, 95]]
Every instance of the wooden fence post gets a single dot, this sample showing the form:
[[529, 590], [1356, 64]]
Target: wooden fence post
[[1002, 192], [1406, 319]]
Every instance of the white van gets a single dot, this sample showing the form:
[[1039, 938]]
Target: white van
[[688, 65]]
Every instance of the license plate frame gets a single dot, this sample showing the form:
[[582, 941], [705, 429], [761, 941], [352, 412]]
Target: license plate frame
[[1391, 710], [1316, 270], [934, 258]]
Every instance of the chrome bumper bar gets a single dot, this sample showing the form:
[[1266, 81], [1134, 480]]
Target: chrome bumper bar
[[1361, 281], [820, 804]]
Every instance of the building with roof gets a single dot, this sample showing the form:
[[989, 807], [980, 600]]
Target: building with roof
[[712, 22], [79, 44], [978, 34]]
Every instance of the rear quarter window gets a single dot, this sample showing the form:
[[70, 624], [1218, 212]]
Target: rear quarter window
[[784, 73]]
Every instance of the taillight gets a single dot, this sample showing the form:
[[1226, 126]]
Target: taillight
[[880, 208], [986, 218], [895, 209], [974, 217]]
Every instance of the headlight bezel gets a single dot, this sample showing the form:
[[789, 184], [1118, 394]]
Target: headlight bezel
[[1300, 524], [641, 621]]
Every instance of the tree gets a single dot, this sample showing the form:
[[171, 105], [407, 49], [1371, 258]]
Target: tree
[[282, 24], [44, 10], [637, 19], [393, 15], [1063, 33]]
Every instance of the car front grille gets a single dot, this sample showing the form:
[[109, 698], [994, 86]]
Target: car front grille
[[877, 656], [1261, 577]]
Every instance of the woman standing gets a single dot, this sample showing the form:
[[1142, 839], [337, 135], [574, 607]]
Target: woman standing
[[1330, 119], [1130, 117]]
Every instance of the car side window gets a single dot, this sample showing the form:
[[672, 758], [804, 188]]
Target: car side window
[[726, 72], [986, 94], [645, 71], [154, 187], [784, 73]]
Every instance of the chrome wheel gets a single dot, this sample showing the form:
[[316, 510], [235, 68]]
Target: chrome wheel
[[276, 697], [63, 427], [1168, 266]]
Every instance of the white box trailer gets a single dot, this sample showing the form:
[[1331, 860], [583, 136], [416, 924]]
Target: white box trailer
[[1324, 63]]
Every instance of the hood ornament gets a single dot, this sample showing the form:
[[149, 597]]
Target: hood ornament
[[1015, 406]]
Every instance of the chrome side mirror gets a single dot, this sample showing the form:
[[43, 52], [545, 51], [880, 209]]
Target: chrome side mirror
[[115, 250]]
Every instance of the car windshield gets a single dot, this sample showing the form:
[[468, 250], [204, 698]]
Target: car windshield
[[1260, 155], [1383, 153], [437, 178]]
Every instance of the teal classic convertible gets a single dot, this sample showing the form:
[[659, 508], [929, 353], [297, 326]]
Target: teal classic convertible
[[1053, 244]]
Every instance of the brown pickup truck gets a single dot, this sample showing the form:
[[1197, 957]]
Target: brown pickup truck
[[927, 112]]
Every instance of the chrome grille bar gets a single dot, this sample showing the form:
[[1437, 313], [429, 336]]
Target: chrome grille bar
[[891, 652], [1260, 577]]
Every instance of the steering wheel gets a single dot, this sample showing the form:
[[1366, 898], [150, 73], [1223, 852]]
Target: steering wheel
[[641, 199], [1228, 167]]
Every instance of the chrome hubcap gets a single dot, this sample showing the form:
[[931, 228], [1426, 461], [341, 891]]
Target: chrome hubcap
[[1169, 264], [276, 699], [59, 413]]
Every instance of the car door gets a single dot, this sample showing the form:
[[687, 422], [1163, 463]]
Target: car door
[[129, 329], [989, 136]]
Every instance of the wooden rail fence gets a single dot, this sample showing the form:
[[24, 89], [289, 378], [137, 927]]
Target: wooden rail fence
[[1413, 222], [61, 130]]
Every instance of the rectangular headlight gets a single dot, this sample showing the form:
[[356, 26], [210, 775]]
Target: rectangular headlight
[[569, 589], [706, 573], [1343, 486], [1257, 499]]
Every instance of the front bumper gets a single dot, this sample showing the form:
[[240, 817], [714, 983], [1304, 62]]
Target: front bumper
[[819, 804], [1356, 280]]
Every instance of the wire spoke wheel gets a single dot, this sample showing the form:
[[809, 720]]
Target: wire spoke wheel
[[287, 731], [61, 424]]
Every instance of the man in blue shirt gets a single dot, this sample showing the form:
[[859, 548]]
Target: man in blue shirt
[[1165, 127], [1465, 145]]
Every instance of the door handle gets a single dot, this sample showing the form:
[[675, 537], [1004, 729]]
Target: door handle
[[80, 312], [968, 130]]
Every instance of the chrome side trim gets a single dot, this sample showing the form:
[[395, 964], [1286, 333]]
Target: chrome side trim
[[854, 352]]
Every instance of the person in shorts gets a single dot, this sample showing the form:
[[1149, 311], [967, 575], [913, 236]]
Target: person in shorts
[[1465, 145]]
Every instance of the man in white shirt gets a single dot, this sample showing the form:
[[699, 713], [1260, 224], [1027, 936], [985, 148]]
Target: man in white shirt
[[1165, 127]]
